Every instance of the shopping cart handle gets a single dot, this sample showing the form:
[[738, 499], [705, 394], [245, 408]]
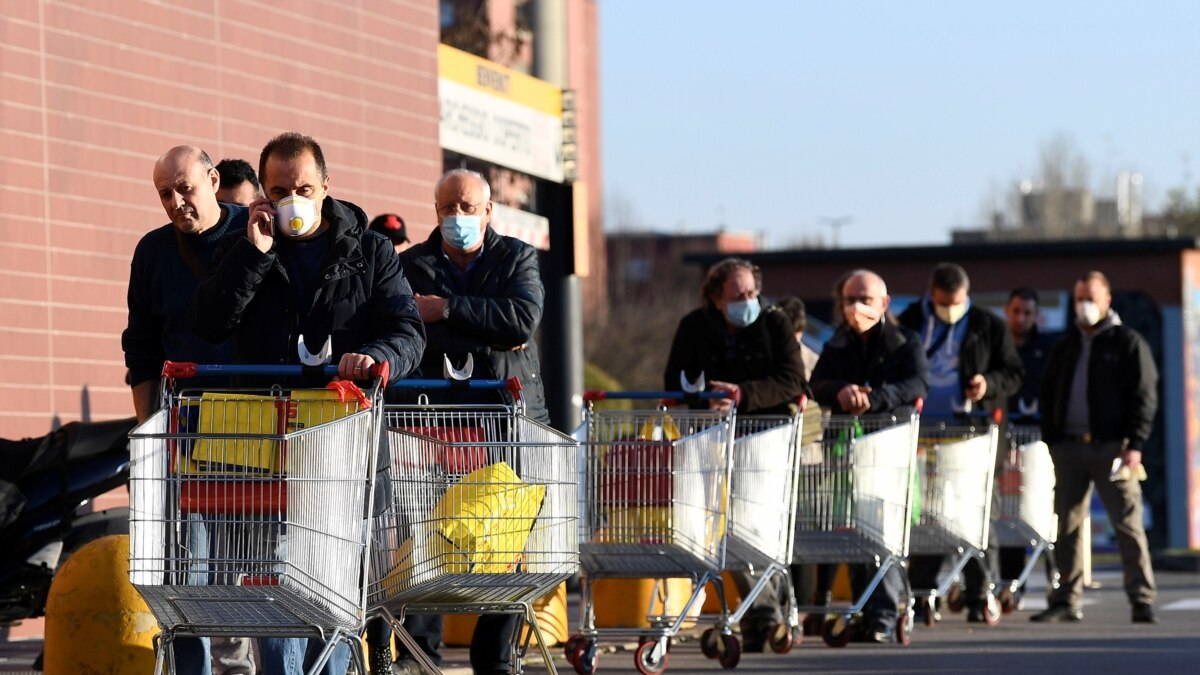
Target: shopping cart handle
[[183, 371], [599, 395], [919, 404], [512, 384]]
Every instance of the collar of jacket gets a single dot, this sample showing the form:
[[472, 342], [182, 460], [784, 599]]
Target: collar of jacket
[[893, 338]]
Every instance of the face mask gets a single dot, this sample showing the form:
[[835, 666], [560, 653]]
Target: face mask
[[862, 317], [295, 216], [951, 314], [742, 313], [462, 232], [1088, 314]]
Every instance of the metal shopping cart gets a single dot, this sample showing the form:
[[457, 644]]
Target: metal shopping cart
[[956, 462], [1024, 516], [655, 503], [762, 505], [249, 509], [482, 516], [855, 505]]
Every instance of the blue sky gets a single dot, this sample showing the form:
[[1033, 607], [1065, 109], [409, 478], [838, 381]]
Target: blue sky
[[769, 115]]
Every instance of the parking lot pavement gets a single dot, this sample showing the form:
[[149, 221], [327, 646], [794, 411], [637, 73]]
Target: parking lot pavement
[[1106, 641]]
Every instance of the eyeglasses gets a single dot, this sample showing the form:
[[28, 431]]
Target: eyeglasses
[[460, 207]]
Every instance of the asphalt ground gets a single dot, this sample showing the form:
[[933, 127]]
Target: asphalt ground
[[1105, 642]]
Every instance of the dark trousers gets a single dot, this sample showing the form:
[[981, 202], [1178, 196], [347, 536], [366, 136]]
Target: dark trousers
[[766, 607], [881, 607], [491, 643], [1077, 466]]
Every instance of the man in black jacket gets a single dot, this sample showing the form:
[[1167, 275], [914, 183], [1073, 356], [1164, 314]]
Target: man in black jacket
[[871, 365], [307, 273], [480, 294], [973, 366], [754, 356], [1098, 403]]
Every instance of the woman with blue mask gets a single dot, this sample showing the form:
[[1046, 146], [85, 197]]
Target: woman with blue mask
[[745, 349]]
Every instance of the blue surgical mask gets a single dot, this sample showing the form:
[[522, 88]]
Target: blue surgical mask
[[742, 313], [462, 232]]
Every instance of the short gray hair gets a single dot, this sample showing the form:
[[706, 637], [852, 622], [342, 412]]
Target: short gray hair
[[487, 189]]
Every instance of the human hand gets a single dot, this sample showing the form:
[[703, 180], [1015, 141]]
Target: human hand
[[431, 307], [976, 388], [1131, 458], [260, 228], [733, 394], [355, 366], [854, 399]]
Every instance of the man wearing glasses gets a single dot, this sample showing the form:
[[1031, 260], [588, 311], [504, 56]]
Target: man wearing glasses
[[871, 365]]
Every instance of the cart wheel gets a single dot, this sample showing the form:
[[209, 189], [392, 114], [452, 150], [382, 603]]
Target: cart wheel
[[955, 601], [709, 643], [1008, 601], [836, 632], [904, 627], [731, 652], [585, 657], [645, 661], [991, 611], [782, 638]]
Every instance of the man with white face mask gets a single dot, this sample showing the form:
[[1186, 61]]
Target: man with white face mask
[[307, 272], [1098, 403], [753, 355], [973, 368], [870, 365]]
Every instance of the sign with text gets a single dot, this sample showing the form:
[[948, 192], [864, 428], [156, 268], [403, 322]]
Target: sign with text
[[499, 115], [528, 227]]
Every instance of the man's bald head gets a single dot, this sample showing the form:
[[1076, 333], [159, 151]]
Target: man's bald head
[[187, 183], [864, 300]]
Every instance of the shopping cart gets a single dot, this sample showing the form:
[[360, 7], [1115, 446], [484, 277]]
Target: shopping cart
[[762, 506], [249, 509], [1024, 515], [482, 513], [956, 462], [855, 505], [655, 499]]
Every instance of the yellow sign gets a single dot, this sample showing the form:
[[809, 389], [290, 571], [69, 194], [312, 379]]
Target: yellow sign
[[489, 77]]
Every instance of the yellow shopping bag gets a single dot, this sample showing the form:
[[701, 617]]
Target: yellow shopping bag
[[488, 516]]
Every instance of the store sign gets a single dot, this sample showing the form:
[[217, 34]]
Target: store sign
[[528, 227], [499, 115]]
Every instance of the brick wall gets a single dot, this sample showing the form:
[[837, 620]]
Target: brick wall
[[95, 90]]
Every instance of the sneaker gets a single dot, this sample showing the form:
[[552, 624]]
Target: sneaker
[[1143, 612], [1058, 614]]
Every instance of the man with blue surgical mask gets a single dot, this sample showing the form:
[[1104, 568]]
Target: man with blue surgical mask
[[973, 368], [751, 353], [480, 295]]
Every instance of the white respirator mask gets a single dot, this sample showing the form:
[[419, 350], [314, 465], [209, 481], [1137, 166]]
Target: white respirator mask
[[295, 216]]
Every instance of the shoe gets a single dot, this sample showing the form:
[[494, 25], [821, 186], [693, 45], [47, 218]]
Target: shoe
[[975, 614], [1143, 612], [407, 667], [1058, 614]]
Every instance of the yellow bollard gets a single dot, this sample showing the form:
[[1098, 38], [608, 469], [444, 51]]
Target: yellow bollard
[[96, 623]]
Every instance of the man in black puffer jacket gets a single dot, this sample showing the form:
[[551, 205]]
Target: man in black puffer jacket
[[480, 294], [306, 273]]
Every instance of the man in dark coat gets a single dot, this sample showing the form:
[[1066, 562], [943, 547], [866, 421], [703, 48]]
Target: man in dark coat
[[480, 295], [973, 366], [871, 365], [1098, 403], [754, 356], [307, 274]]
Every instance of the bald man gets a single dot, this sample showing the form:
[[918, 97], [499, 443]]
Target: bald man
[[167, 266], [871, 365]]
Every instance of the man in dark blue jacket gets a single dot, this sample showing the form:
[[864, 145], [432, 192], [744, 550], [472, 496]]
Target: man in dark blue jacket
[[871, 365], [480, 295], [306, 276], [168, 264]]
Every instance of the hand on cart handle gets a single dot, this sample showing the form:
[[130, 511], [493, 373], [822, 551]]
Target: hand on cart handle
[[732, 396], [855, 399], [355, 366], [976, 387]]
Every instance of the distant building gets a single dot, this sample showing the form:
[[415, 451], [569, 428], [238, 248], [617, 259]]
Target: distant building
[[643, 266]]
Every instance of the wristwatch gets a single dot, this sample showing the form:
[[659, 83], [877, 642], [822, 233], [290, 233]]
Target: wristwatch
[[446, 311]]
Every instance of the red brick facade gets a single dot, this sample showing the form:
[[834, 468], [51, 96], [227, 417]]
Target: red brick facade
[[96, 90]]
